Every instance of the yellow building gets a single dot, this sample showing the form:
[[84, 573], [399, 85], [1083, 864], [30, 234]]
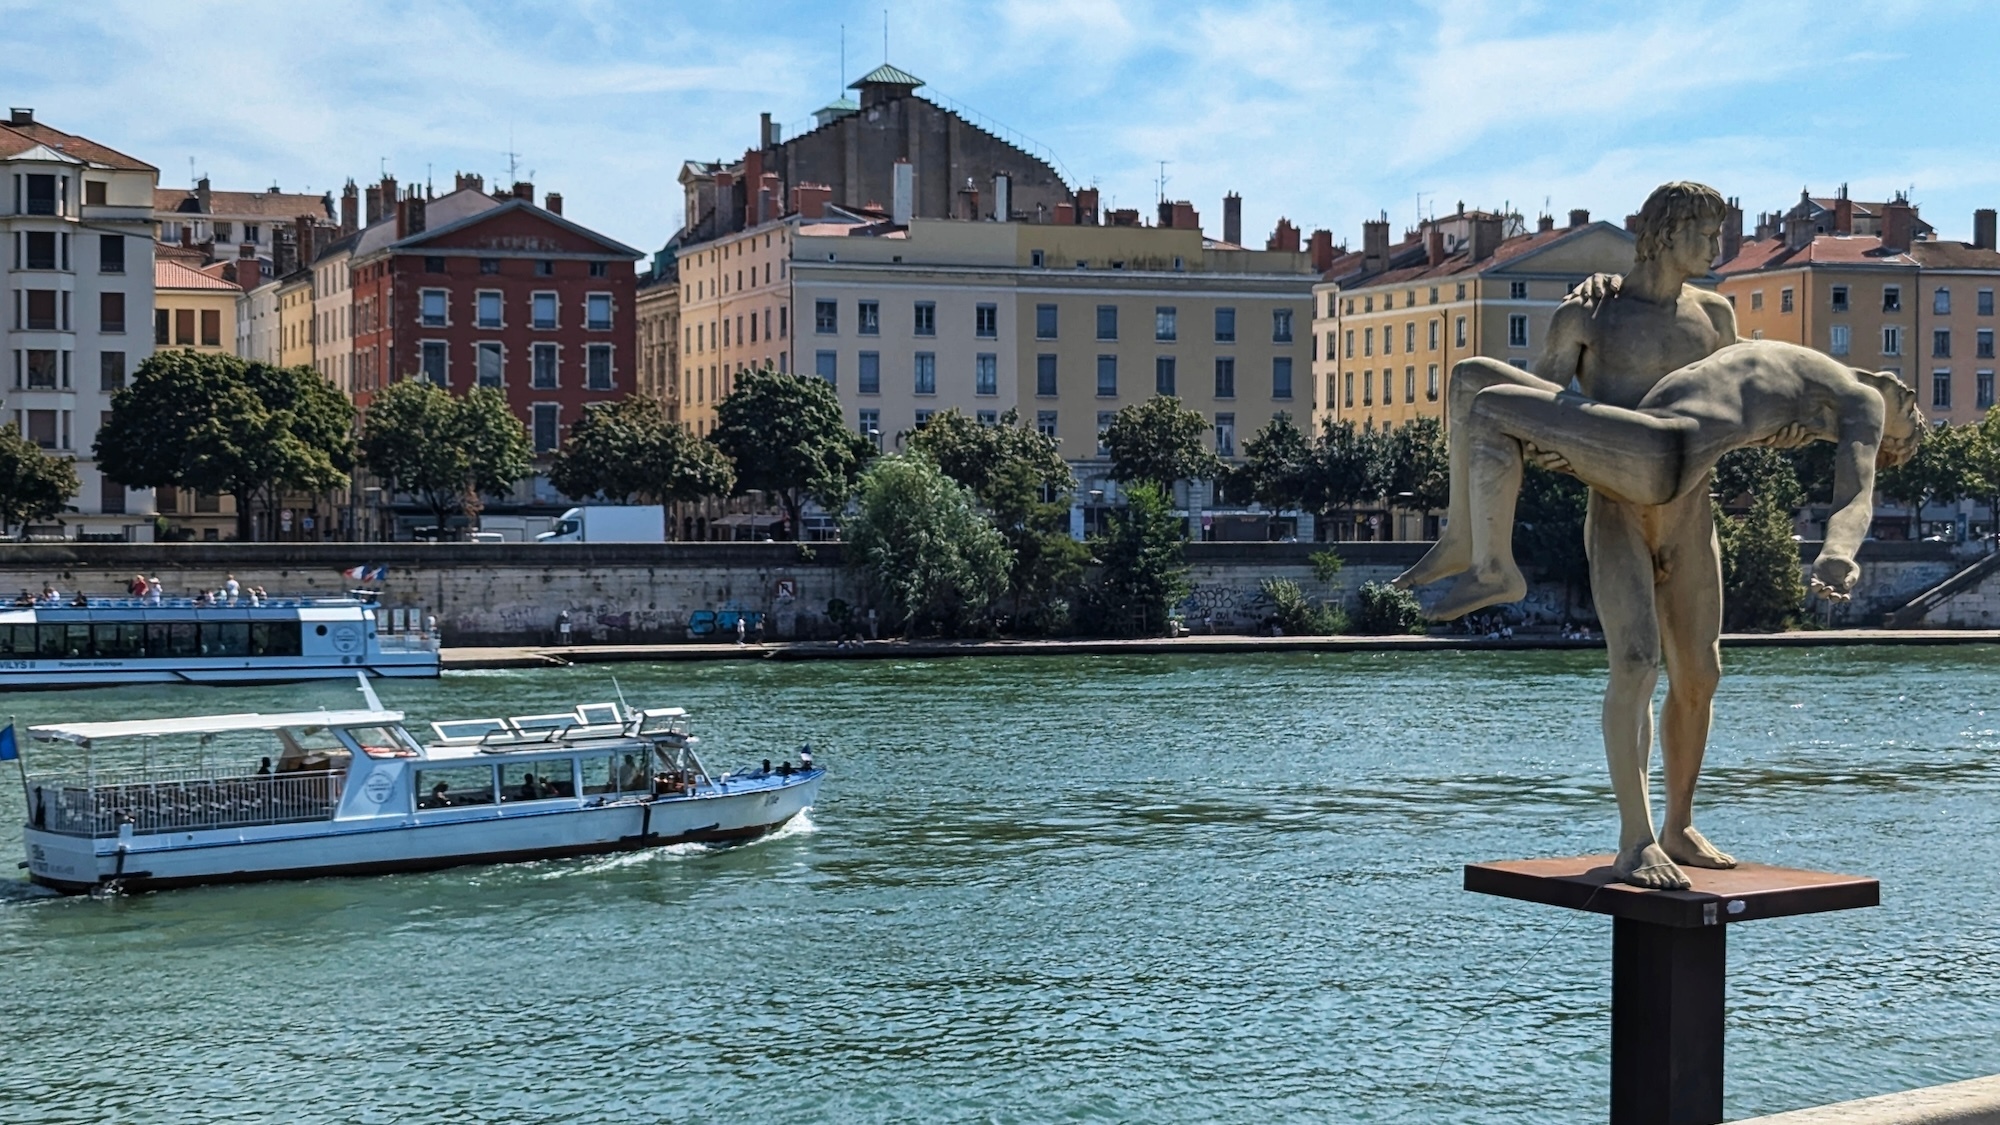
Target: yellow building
[[194, 311], [658, 308], [296, 334], [735, 314], [1390, 321]]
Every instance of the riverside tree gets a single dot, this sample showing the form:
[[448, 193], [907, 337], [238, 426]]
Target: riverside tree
[[787, 438], [1939, 472], [1142, 570], [444, 450], [33, 485], [1159, 441], [630, 450], [919, 538], [219, 424]]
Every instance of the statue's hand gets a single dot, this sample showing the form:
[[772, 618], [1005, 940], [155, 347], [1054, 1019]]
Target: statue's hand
[[1596, 289], [1834, 576]]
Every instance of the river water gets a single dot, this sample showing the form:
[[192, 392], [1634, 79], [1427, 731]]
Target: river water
[[1091, 889]]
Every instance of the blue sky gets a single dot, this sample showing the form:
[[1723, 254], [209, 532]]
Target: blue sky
[[1325, 113]]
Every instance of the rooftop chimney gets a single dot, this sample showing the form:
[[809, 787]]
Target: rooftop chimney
[[1732, 229], [389, 195], [1899, 222], [21, 115], [1632, 222], [1003, 197], [809, 200], [1486, 234], [1285, 237], [1433, 244], [373, 195], [1545, 224], [552, 203], [524, 191], [1375, 245], [968, 200], [249, 271], [1578, 217], [410, 216], [1066, 214], [903, 195], [1321, 247], [350, 208], [1086, 207], [462, 180], [767, 134], [1843, 213], [1982, 228], [302, 238], [1232, 218], [201, 194]]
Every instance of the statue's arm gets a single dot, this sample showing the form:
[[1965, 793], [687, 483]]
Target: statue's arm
[[1722, 315], [1860, 430], [1562, 350]]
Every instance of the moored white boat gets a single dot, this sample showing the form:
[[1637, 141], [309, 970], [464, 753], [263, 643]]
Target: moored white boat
[[353, 792]]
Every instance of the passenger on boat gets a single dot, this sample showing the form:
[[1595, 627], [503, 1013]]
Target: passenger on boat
[[785, 769], [766, 771], [81, 601], [49, 594], [264, 768], [26, 599], [153, 590], [531, 790], [806, 756], [629, 775], [137, 587], [203, 597], [437, 799]]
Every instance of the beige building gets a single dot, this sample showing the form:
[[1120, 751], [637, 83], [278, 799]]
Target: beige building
[[295, 319], [1390, 321], [332, 300], [193, 310], [658, 308], [735, 313], [257, 323]]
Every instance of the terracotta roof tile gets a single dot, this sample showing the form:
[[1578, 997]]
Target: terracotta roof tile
[[20, 138], [173, 275], [263, 204], [1823, 250]]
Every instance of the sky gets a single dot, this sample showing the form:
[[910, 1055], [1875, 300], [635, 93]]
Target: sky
[[1325, 113]]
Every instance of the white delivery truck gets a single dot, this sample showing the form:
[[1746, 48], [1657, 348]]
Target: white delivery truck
[[608, 523]]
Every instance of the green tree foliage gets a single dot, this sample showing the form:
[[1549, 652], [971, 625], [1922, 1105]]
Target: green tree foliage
[[1745, 475], [1327, 565], [1416, 466], [1382, 609], [444, 450], [1548, 529], [1347, 468], [33, 485], [918, 536], [218, 424], [1982, 464], [1159, 441], [1939, 473], [1299, 615], [630, 450], [787, 438], [1762, 590], [1277, 464], [1141, 569]]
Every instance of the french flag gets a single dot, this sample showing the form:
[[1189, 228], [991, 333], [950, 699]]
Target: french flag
[[358, 573]]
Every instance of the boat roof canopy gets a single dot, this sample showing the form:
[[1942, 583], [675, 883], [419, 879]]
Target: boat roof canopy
[[82, 733]]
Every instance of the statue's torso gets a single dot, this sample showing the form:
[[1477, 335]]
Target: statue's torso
[[1633, 344]]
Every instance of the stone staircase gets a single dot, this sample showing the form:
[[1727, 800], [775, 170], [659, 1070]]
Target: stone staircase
[[1911, 614]]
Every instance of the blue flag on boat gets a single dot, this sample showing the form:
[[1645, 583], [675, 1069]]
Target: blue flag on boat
[[9, 749]]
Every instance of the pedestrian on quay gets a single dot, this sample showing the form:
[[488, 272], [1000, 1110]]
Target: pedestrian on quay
[[137, 587], [153, 589], [562, 625], [740, 629]]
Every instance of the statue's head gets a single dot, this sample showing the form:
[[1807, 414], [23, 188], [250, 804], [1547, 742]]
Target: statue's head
[[1682, 221], [1902, 422]]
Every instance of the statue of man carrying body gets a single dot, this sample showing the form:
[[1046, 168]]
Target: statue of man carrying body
[[1655, 565]]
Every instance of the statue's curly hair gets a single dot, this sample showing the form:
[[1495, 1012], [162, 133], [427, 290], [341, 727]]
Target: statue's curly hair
[[1671, 207]]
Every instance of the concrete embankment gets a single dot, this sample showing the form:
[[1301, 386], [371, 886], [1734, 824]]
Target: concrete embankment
[[548, 656], [1976, 1102]]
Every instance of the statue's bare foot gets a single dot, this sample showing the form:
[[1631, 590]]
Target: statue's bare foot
[[1475, 590], [1647, 866], [1450, 555], [1687, 846]]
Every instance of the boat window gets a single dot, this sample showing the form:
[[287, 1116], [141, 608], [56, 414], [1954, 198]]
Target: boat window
[[468, 728], [536, 781], [171, 639], [17, 640], [225, 638], [598, 776], [598, 714], [455, 788], [383, 742], [275, 638], [543, 722], [118, 639], [311, 748]]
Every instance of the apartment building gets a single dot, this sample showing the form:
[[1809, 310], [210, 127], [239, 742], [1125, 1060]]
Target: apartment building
[[77, 220], [1899, 299], [257, 323], [735, 311], [295, 319], [230, 224], [657, 305], [1390, 321], [332, 307]]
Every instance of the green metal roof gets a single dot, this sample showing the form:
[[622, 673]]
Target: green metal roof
[[886, 75], [842, 104]]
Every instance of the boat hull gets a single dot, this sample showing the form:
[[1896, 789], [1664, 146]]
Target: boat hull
[[425, 841], [51, 676]]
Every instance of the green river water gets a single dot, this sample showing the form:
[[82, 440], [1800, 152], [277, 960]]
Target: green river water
[[1082, 889]]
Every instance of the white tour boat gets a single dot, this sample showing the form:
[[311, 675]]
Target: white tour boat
[[352, 792], [122, 640]]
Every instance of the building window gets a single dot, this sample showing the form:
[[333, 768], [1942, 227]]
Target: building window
[[1892, 340], [1163, 375], [1225, 325], [1368, 341], [1045, 423], [40, 249], [1107, 376], [1434, 326], [1037, 259], [1983, 344], [1458, 333], [1281, 376], [433, 359], [1347, 396], [110, 253], [1409, 384], [1756, 300], [986, 374], [869, 377], [548, 426], [1985, 389], [1458, 293], [489, 265], [489, 309], [826, 365], [40, 311], [1410, 337], [542, 371], [871, 426], [826, 317], [1431, 384], [1784, 300], [1941, 389], [1045, 322], [924, 418], [1941, 343], [1986, 302], [1045, 375], [211, 328], [93, 193], [545, 268], [1225, 435], [1388, 339], [1517, 331], [1104, 420], [868, 318], [431, 303], [1941, 301], [110, 371], [926, 373], [926, 319], [183, 326], [603, 269], [1166, 323], [42, 428], [489, 365], [1840, 298], [111, 312], [433, 264], [1107, 322], [1837, 340], [597, 367], [1368, 304], [1225, 377], [986, 322], [1892, 298], [160, 317], [597, 311], [1281, 326], [1347, 348], [1368, 388], [110, 497], [1517, 290], [542, 306]]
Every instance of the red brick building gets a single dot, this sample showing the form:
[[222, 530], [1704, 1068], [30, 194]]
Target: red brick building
[[469, 290]]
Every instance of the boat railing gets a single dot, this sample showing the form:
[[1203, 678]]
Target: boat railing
[[180, 800], [407, 642], [126, 601]]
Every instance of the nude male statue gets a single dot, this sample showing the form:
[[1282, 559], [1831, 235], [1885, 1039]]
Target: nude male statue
[[1655, 568]]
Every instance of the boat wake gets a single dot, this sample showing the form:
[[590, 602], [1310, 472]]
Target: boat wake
[[799, 825]]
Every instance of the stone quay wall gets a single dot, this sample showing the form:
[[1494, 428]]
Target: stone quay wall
[[512, 593]]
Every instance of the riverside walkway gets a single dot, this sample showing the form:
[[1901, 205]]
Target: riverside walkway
[[548, 656]]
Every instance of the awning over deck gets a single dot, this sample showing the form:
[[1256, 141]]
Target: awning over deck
[[212, 724]]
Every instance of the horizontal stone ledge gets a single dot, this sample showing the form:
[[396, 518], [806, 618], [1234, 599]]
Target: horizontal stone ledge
[[1974, 1102]]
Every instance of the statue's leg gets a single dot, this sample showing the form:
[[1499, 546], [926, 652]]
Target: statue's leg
[[1621, 583], [1453, 550], [1621, 452], [1690, 613]]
